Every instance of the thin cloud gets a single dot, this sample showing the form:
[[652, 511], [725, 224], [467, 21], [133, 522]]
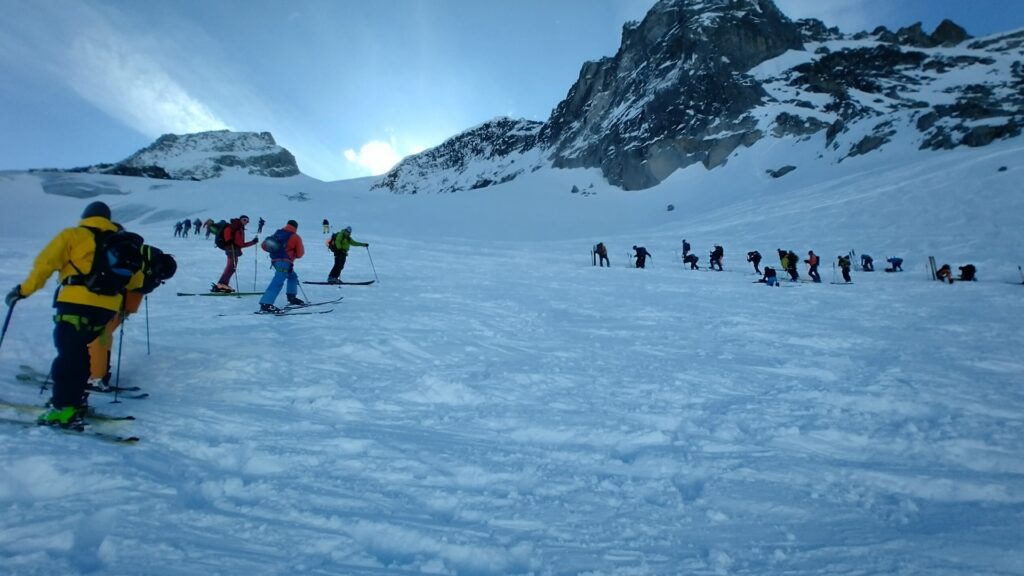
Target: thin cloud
[[128, 78], [114, 77]]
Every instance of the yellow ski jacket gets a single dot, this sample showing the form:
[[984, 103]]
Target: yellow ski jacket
[[71, 248]]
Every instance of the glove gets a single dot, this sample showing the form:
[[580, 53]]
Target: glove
[[13, 296], [367, 244]]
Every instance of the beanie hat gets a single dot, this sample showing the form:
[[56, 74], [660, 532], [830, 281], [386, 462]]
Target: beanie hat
[[293, 223], [96, 209]]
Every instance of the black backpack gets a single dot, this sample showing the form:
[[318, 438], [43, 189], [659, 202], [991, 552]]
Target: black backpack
[[157, 268], [218, 230], [117, 258], [330, 242]]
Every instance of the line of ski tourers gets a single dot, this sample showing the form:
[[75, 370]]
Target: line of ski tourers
[[284, 247], [788, 262]]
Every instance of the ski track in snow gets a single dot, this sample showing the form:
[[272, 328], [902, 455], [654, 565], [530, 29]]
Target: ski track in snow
[[492, 408]]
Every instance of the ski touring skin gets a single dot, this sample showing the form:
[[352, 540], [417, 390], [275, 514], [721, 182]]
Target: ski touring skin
[[94, 434], [364, 283]]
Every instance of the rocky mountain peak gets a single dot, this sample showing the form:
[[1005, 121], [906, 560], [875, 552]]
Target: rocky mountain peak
[[676, 93], [695, 81], [206, 155]]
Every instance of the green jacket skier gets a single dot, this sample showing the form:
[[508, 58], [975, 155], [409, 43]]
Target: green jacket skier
[[339, 243]]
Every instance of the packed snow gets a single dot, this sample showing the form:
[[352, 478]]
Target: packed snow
[[494, 404]]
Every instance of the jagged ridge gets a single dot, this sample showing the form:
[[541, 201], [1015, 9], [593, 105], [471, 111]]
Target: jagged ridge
[[687, 85]]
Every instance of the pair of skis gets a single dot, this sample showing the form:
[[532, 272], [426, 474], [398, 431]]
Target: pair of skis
[[92, 417], [30, 375], [364, 283], [294, 309], [240, 294]]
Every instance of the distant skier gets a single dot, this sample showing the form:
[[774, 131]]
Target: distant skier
[[259, 227], [716, 258], [686, 249], [770, 278], [197, 226], [844, 265], [812, 262], [327, 226], [754, 257], [178, 227], [339, 243], [641, 256], [788, 260], [867, 263], [895, 264], [944, 273], [187, 227], [692, 260], [209, 227], [602, 254], [968, 272]]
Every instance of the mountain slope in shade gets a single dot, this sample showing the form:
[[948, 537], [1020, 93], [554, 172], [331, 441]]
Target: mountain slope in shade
[[696, 82]]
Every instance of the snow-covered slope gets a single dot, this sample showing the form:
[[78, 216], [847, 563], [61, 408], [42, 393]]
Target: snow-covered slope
[[496, 405]]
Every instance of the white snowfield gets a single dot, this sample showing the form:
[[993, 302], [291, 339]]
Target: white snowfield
[[496, 405]]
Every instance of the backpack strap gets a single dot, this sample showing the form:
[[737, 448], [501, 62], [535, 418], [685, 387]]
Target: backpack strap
[[79, 279]]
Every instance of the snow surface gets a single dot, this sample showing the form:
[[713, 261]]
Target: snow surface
[[496, 405]]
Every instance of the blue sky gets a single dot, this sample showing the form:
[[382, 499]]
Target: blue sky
[[349, 86]]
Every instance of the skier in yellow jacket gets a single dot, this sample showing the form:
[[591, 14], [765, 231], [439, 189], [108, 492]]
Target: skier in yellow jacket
[[83, 304]]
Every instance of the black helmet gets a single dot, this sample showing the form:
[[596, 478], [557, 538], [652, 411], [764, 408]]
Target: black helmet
[[96, 209]]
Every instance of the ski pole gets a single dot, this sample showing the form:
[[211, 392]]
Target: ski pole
[[1018, 270], [376, 279], [7, 321], [146, 298], [234, 258], [254, 273], [297, 281], [120, 348]]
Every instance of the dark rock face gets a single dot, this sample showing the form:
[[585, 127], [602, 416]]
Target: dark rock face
[[787, 124], [686, 87], [949, 34], [676, 93], [780, 172]]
